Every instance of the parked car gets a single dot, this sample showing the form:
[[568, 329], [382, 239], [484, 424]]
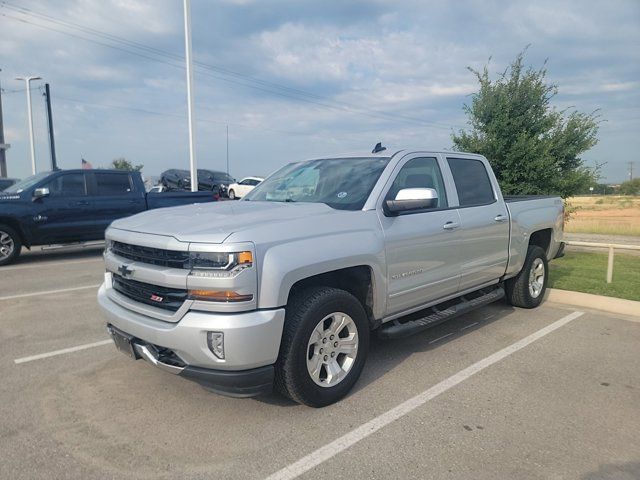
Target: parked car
[[68, 206], [6, 183], [244, 186], [285, 287], [208, 180], [157, 189]]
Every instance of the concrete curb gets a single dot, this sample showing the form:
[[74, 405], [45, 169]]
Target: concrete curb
[[598, 302]]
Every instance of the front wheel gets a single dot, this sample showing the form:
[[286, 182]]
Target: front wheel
[[527, 289], [10, 245], [232, 195], [324, 346]]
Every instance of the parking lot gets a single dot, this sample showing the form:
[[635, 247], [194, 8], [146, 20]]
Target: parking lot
[[498, 393]]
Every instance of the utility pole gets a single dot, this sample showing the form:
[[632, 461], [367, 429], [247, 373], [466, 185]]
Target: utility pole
[[227, 149], [27, 81], [192, 142], [3, 146], [630, 171], [52, 142]]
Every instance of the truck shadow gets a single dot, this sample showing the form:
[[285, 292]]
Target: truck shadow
[[386, 355]]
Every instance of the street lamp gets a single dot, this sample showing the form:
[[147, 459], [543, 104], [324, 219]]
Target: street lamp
[[27, 81]]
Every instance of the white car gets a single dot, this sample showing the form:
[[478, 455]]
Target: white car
[[244, 186]]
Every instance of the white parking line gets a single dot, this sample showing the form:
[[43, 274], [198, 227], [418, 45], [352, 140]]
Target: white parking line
[[62, 352], [339, 445], [52, 264], [48, 292]]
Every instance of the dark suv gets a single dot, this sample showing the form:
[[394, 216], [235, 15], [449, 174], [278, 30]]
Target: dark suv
[[208, 180], [7, 182]]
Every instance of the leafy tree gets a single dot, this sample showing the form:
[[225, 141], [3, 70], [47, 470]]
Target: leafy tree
[[630, 187], [124, 164], [532, 147]]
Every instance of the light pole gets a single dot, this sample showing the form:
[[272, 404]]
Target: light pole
[[192, 142], [27, 81]]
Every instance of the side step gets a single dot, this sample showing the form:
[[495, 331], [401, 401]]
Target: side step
[[410, 325]]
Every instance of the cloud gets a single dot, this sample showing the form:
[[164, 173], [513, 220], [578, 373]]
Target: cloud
[[348, 74]]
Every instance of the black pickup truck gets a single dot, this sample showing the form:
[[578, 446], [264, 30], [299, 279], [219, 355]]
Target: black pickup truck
[[69, 206]]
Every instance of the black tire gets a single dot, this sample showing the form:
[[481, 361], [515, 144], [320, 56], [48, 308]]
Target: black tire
[[232, 194], [303, 313], [16, 245], [517, 288]]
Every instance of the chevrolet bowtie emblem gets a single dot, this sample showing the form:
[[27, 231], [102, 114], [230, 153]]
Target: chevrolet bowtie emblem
[[124, 270]]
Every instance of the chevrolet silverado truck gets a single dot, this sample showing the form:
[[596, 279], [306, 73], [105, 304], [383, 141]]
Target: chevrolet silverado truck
[[73, 206], [284, 287]]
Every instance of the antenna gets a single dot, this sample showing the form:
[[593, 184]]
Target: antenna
[[378, 148]]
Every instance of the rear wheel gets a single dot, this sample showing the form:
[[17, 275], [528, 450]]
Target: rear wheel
[[10, 245], [527, 289], [324, 346]]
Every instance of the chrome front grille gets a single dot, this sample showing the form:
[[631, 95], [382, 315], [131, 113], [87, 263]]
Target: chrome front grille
[[152, 256], [161, 297]]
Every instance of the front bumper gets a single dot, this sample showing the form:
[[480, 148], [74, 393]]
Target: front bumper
[[251, 342], [243, 383]]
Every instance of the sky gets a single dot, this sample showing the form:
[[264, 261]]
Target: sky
[[296, 79]]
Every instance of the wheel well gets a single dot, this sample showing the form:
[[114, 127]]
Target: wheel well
[[355, 280], [541, 238], [16, 226]]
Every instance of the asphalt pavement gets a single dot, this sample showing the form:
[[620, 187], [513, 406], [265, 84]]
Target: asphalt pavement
[[499, 393]]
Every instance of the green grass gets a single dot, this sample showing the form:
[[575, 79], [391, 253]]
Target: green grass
[[586, 272]]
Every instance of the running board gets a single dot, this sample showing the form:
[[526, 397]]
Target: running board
[[396, 329]]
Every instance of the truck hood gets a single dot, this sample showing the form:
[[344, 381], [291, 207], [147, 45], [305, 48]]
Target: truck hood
[[215, 222]]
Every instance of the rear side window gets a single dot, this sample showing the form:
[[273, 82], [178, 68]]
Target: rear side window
[[113, 184], [472, 182], [67, 185]]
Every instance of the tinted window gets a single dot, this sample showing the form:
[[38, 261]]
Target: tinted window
[[113, 184], [472, 182], [67, 185], [420, 173]]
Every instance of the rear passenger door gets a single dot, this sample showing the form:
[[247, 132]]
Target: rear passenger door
[[422, 246], [113, 196], [484, 241]]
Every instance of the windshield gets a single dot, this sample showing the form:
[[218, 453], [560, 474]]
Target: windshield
[[341, 183], [26, 183]]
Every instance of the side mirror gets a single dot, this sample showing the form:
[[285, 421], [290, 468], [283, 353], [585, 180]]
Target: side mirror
[[412, 199], [40, 193]]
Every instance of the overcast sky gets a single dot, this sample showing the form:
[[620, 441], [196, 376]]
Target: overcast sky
[[295, 79]]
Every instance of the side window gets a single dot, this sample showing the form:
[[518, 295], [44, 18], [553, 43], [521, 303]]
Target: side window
[[113, 184], [245, 182], [420, 173], [472, 182], [67, 185]]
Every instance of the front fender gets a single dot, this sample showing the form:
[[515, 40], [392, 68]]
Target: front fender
[[285, 264]]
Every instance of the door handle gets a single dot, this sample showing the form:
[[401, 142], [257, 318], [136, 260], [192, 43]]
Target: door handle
[[450, 225], [82, 204], [500, 218]]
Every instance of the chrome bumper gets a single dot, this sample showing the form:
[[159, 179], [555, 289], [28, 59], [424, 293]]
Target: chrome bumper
[[251, 339]]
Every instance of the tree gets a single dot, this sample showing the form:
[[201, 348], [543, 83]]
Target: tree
[[532, 147], [630, 187], [124, 164]]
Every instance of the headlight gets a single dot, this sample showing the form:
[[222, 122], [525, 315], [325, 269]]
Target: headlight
[[219, 264], [108, 245]]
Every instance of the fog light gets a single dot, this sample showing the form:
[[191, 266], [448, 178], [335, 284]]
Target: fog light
[[215, 340]]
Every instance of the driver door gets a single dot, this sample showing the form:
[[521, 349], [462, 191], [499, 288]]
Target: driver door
[[422, 246]]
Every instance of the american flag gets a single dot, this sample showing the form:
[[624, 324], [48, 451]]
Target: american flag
[[86, 165]]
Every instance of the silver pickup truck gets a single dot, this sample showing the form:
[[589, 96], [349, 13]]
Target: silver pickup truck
[[284, 288]]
